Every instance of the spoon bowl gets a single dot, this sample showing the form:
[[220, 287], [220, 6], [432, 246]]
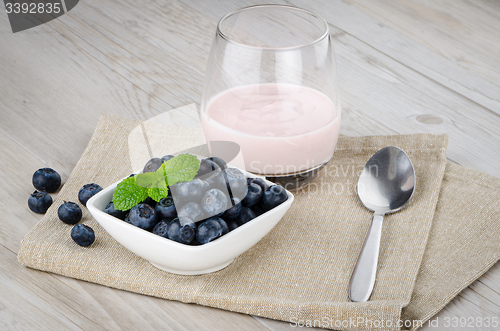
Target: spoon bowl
[[385, 185]]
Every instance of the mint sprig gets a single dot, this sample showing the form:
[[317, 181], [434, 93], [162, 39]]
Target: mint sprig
[[127, 194], [181, 168], [152, 179], [158, 193], [132, 190]]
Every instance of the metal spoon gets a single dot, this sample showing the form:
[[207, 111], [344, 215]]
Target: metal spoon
[[385, 185]]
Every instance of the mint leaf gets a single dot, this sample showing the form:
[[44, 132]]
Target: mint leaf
[[133, 190], [158, 193], [181, 168], [128, 194], [152, 179]]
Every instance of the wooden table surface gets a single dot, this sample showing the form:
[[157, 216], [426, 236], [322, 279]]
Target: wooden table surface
[[404, 66]]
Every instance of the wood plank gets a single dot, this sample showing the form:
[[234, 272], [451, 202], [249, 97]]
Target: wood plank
[[470, 38], [161, 26], [81, 100], [15, 175]]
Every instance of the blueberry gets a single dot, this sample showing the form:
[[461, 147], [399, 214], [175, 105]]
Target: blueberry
[[167, 157], [183, 233], [191, 210], [222, 223], [206, 167], [234, 210], [161, 229], [83, 235], [173, 230], [46, 179], [274, 196], [208, 230], [205, 187], [149, 201], [253, 196], [165, 209], [214, 202], [69, 212], [236, 182], [110, 209], [191, 191], [215, 180], [246, 215], [195, 242], [259, 181], [87, 191], [127, 218], [232, 224], [143, 216], [257, 209], [39, 202], [187, 230], [220, 162], [153, 165]]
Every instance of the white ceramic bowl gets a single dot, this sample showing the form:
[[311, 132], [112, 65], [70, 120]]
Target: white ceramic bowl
[[174, 257]]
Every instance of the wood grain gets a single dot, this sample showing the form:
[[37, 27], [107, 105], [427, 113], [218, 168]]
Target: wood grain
[[405, 66]]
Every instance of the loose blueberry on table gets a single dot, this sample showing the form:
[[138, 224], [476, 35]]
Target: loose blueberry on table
[[87, 192], [69, 212], [39, 202], [83, 235], [208, 201], [46, 179]]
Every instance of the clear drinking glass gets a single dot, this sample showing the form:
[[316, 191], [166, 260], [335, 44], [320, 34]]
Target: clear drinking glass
[[271, 87]]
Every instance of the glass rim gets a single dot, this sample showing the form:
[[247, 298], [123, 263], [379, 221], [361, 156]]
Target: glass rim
[[313, 42]]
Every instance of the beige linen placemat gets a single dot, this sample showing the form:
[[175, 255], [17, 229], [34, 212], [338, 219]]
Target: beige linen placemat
[[301, 269]]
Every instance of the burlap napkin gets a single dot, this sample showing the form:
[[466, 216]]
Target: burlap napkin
[[445, 238]]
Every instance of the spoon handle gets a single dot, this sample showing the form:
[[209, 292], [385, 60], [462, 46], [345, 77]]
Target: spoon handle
[[363, 276]]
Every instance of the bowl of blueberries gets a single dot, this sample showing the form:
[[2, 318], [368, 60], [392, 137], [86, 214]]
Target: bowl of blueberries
[[190, 215]]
